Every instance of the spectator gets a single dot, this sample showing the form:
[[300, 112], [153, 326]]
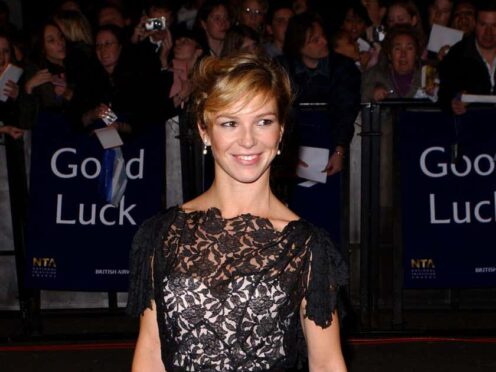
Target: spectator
[[464, 17], [400, 78], [120, 85], [241, 39], [401, 12], [180, 168], [469, 66], [156, 9], [213, 21], [320, 76], [376, 10], [252, 13], [439, 12], [5, 24], [47, 86], [8, 109], [355, 22], [278, 16], [110, 14], [343, 43], [186, 15]]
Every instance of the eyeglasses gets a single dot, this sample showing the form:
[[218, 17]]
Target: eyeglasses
[[105, 45], [255, 12]]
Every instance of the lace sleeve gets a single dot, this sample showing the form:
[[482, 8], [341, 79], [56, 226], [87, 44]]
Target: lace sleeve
[[328, 273], [146, 242]]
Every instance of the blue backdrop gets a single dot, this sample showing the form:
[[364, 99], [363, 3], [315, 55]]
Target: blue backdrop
[[448, 193], [75, 240]]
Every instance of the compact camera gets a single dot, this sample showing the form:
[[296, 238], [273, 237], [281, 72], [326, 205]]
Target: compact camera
[[379, 34], [156, 24], [109, 117]]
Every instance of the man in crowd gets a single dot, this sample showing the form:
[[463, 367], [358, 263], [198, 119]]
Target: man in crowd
[[470, 65]]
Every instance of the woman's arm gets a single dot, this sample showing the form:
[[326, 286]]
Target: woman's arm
[[323, 344], [147, 355]]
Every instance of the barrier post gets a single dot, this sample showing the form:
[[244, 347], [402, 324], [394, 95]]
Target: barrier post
[[29, 300]]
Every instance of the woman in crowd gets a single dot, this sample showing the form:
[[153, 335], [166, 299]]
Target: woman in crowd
[[221, 282], [400, 78], [213, 21], [355, 23], [9, 108], [180, 144], [120, 85], [48, 87], [241, 38]]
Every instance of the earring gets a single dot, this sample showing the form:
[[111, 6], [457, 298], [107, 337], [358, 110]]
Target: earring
[[205, 148], [278, 152]]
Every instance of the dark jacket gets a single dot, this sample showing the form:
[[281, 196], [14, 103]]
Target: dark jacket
[[463, 69], [336, 81]]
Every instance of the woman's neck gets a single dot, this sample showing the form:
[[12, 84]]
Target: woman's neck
[[235, 198], [56, 61]]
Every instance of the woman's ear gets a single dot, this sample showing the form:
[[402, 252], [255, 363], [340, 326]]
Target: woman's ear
[[203, 133]]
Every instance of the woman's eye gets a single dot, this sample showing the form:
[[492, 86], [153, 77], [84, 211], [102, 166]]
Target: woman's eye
[[228, 124], [264, 122]]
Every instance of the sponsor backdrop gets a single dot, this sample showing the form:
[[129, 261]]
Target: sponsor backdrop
[[448, 191], [75, 240]]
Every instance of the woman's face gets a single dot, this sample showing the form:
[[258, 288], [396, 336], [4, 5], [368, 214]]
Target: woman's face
[[353, 24], [108, 50], [403, 54], [217, 23], [186, 49], [252, 14], [440, 12], [54, 44], [279, 24], [5, 53], [244, 139], [398, 15]]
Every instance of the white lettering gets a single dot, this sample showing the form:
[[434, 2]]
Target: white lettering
[[102, 215], [432, 207], [477, 214], [423, 164], [490, 161], [55, 169], [58, 218], [456, 215], [125, 212], [140, 162], [84, 170], [468, 167]]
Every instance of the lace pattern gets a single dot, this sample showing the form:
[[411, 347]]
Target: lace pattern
[[228, 291]]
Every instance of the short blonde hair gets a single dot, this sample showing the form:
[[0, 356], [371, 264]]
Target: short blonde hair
[[219, 83]]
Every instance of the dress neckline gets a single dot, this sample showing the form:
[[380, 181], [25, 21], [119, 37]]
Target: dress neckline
[[214, 211]]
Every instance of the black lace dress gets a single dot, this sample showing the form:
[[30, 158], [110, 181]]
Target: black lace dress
[[228, 291]]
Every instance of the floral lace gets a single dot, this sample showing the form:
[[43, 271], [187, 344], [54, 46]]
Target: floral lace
[[228, 291]]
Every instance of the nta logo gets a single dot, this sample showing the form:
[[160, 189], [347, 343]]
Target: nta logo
[[422, 263], [44, 262]]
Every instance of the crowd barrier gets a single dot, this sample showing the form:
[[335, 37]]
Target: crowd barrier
[[443, 197], [442, 214]]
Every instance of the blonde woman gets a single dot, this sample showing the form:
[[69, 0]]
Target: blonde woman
[[222, 281]]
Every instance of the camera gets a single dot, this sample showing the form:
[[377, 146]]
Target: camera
[[379, 34], [156, 24]]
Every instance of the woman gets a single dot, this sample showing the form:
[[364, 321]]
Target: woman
[[213, 21], [9, 108], [221, 281], [400, 78], [48, 87], [119, 85], [241, 39]]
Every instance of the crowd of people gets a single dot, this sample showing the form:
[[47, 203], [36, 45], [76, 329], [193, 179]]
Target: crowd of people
[[84, 64]]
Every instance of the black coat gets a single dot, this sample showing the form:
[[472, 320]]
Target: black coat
[[463, 69]]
